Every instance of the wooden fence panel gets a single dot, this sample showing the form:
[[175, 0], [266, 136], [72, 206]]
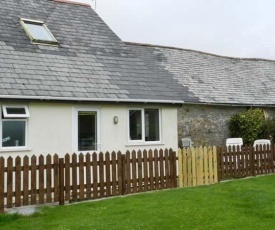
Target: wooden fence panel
[[197, 166], [75, 177]]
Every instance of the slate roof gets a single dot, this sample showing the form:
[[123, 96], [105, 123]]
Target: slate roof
[[208, 78], [90, 63]]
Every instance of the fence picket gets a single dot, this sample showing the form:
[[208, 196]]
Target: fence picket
[[49, 178], [9, 182], [128, 173], [95, 191], [161, 169], [17, 181], [56, 179], [88, 176], [205, 166], [74, 177], [114, 173], [145, 168], [81, 176], [156, 167], [139, 172], [41, 180], [101, 175], [25, 180], [120, 170], [167, 169], [33, 180], [134, 171], [2, 182], [67, 178], [108, 174]]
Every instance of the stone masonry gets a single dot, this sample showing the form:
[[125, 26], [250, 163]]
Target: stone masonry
[[207, 125]]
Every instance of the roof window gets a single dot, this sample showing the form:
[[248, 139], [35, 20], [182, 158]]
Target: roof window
[[38, 32]]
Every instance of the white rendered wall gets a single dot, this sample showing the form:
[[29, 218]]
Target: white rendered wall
[[51, 129]]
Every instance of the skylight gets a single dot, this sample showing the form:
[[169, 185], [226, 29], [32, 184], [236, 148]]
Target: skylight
[[38, 32]]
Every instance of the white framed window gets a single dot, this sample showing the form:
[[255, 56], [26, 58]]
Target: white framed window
[[10, 111], [14, 126], [86, 130], [38, 32], [144, 125]]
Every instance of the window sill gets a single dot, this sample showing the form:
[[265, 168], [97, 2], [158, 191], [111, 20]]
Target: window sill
[[23, 149], [144, 143]]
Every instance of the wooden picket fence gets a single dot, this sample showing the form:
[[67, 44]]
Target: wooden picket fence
[[39, 180], [245, 161], [197, 166]]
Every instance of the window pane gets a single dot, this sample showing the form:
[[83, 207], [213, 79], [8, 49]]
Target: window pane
[[152, 125], [16, 110], [135, 125], [39, 32], [87, 131], [13, 133]]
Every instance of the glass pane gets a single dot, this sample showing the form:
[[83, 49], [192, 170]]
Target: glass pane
[[39, 32], [16, 110], [87, 131], [152, 125], [13, 133], [135, 125]]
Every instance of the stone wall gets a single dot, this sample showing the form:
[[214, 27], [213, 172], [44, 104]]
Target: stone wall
[[207, 125]]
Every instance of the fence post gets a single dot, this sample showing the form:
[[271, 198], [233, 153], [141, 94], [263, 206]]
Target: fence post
[[173, 168], [2, 171], [61, 181]]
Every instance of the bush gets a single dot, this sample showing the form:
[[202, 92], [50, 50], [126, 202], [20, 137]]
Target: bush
[[269, 129], [249, 125]]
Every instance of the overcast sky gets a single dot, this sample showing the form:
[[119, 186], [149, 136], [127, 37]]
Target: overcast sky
[[240, 28]]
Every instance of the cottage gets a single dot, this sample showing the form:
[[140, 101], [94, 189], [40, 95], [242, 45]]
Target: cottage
[[69, 84], [213, 88]]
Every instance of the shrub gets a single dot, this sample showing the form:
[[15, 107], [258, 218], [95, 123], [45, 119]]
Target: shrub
[[269, 129], [248, 124]]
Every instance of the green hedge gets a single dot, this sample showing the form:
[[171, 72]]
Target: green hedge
[[249, 125]]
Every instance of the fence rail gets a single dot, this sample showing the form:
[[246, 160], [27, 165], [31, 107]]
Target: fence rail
[[39, 180]]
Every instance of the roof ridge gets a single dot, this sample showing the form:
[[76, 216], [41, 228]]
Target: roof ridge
[[72, 2], [197, 51]]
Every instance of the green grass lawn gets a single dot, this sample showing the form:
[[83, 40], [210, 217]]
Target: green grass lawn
[[240, 204]]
